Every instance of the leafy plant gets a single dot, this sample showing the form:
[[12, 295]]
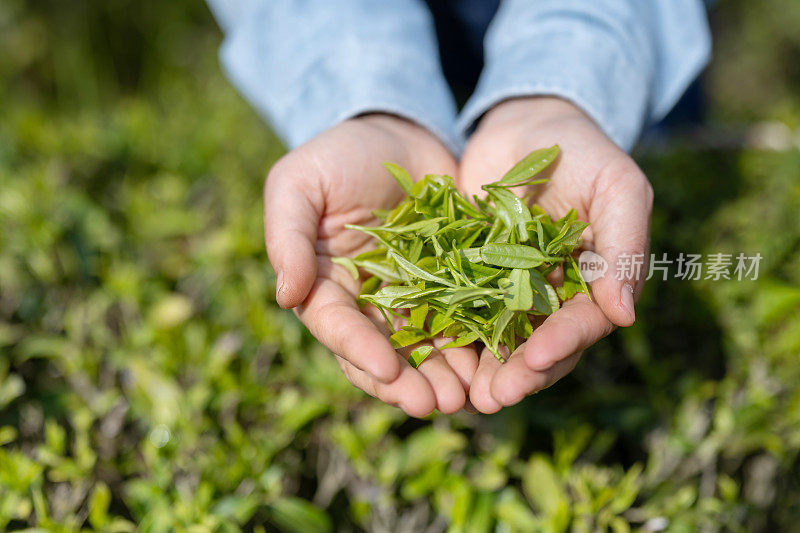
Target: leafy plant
[[475, 272]]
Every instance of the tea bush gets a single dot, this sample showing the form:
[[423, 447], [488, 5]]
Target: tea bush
[[149, 381]]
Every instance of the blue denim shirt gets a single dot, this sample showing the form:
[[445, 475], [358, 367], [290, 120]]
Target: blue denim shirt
[[307, 65]]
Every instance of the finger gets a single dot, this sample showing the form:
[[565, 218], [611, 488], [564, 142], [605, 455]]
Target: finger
[[480, 395], [447, 388], [331, 314], [573, 328], [460, 362], [411, 391], [514, 380], [619, 214], [463, 360], [291, 217]]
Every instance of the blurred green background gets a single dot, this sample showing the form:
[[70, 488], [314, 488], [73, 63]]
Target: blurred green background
[[148, 380]]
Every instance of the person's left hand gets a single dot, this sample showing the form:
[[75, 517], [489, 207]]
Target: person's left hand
[[311, 193], [607, 189]]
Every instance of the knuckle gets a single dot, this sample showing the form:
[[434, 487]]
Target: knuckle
[[346, 370], [282, 170], [280, 167], [622, 172], [580, 328], [368, 386]]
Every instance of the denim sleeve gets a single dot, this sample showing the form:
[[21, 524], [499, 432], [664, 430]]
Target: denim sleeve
[[624, 62], [306, 65]]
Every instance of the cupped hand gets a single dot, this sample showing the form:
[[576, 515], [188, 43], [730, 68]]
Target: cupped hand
[[608, 190], [310, 194]]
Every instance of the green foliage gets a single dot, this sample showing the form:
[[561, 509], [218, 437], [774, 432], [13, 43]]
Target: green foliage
[[436, 249], [529, 166], [148, 380]]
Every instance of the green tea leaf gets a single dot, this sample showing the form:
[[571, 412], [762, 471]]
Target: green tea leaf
[[425, 228], [347, 263], [370, 285], [438, 322], [461, 340], [512, 211], [500, 326], [98, 505], [399, 212], [454, 329], [545, 490], [479, 271], [474, 272], [426, 208], [518, 294], [406, 336], [416, 298], [468, 294], [456, 258], [418, 316], [463, 205], [509, 338], [469, 241], [568, 239], [545, 299], [401, 176], [573, 282], [383, 269], [472, 255], [419, 355], [512, 255], [568, 218], [523, 327], [540, 233], [577, 273], [295, 515], [414, 271], [530, 165], [458, 224], [385, 296], [415, 251], [451, 208]]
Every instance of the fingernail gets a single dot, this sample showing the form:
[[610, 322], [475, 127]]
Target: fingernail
[[626, 297], [279, 284]]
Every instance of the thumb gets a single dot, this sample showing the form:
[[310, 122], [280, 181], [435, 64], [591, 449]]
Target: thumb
[[290, 231], [620, 220]]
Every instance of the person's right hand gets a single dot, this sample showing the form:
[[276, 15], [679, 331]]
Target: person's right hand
[[608, 190], [337, 178]]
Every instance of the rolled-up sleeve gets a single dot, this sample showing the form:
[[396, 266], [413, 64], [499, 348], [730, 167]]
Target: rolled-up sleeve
[[306, 65], [624, 62]]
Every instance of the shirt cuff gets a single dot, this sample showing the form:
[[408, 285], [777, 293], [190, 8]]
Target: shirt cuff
[[608, 58], [305, 72]]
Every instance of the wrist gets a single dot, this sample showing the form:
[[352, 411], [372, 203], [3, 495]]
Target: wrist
[[531, 109], [408, 133]]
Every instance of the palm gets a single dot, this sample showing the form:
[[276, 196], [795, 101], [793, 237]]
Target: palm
[[338, 179]]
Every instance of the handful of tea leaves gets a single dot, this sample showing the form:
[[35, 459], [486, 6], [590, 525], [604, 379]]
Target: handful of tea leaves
[[470, 271]]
